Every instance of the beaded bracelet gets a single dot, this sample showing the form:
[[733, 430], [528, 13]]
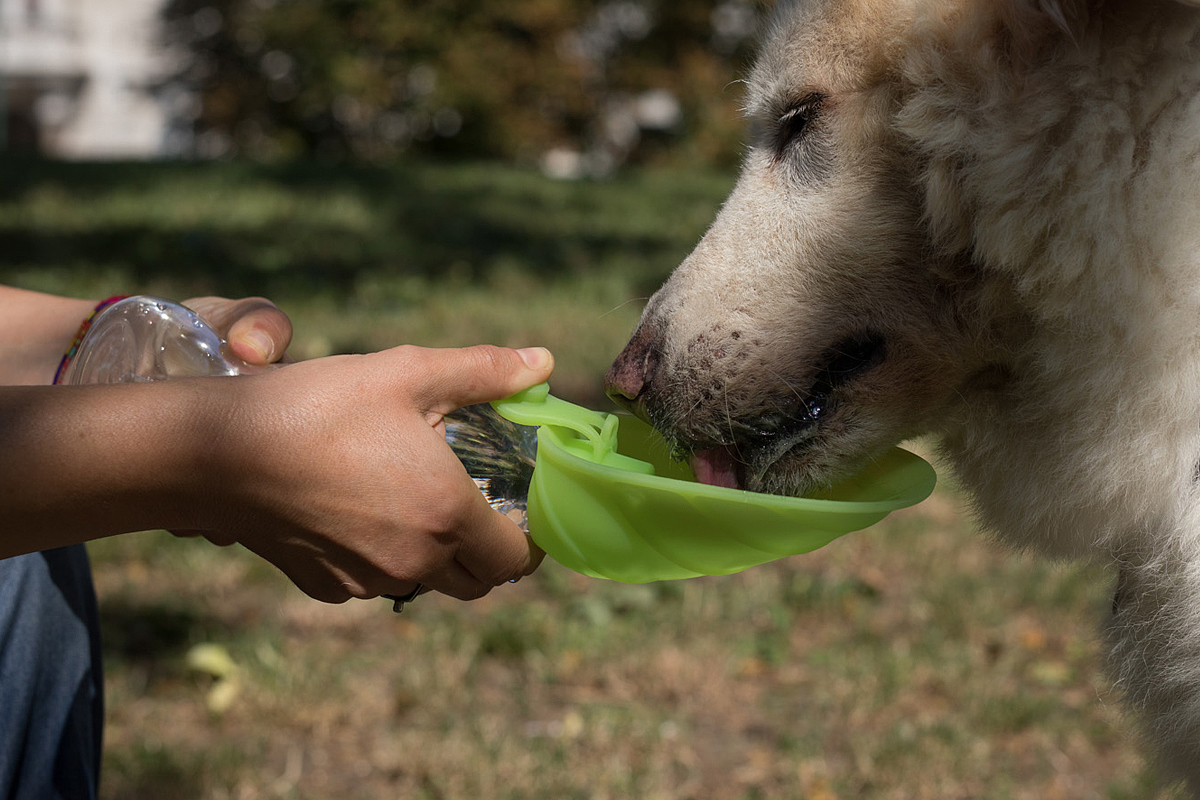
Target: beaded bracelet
[[82, 332]]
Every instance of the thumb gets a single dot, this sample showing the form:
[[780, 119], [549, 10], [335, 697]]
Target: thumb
[[261, 335], [254, 327], [468, 375]]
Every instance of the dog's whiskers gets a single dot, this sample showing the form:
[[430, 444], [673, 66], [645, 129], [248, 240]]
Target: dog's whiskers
[[618, 307]]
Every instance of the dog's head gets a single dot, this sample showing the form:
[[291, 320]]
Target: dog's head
[[819, 321]]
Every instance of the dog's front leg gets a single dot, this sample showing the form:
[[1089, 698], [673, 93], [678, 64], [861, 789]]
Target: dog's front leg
[[1153, 642]]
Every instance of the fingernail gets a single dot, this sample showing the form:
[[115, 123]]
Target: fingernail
[[535, 357], [261, 343]]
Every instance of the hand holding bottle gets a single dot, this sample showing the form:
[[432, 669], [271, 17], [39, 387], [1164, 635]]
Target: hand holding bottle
[[257, 331], [339, 473], [335, 470]]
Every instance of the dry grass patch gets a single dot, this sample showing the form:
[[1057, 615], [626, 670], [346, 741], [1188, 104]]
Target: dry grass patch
[[912, 660]]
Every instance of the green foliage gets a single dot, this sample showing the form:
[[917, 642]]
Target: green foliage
[[373, 78]]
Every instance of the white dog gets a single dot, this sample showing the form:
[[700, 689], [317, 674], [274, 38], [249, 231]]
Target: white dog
[[978, 219]]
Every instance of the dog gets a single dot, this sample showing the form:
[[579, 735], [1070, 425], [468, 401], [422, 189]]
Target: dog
[[977, 220]]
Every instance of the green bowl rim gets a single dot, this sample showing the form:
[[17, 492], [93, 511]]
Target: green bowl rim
[[918, 490]]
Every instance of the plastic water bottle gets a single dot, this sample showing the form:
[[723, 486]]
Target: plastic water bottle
[[141, 339]]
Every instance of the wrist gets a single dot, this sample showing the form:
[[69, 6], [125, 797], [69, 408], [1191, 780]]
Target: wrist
[[94, 461], [157, 444], [231, 434], [199, 438], [35, 331]]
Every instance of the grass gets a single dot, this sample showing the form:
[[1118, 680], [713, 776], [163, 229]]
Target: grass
[[364, 259], [911, 660]]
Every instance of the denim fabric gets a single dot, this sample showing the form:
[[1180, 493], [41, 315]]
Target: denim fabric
[[51, 684]]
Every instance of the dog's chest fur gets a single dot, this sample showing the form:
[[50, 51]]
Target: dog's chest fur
[[1075, 181]]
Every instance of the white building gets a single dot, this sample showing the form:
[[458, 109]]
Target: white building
[[79, 80]]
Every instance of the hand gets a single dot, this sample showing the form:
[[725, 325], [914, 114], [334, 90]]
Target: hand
[[340, 474], [257, 331]]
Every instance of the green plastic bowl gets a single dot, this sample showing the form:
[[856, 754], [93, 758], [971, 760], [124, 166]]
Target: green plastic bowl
[[606, 500]]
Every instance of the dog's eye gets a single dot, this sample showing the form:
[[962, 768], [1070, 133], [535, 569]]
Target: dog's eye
[[792, 123], [850, 358]]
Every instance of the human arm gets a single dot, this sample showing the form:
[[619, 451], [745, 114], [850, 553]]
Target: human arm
[[35, 329], [335, 470]]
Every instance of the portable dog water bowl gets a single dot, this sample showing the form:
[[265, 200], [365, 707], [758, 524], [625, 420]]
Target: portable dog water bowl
[[607, 501]]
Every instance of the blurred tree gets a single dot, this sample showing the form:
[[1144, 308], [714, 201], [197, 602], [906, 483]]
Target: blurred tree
[[578, 85]]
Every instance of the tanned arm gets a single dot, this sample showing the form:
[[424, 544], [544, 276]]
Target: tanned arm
[[335, 470]]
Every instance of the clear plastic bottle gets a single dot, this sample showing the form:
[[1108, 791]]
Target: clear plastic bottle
[[141, 339]]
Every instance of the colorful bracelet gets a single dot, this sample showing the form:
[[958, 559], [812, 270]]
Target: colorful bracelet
[[82, 332]]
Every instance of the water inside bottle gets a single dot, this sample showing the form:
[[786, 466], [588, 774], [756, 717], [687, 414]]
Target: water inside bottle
[[498, 454]]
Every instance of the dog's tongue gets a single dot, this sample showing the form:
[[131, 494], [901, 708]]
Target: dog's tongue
[[715, 467]]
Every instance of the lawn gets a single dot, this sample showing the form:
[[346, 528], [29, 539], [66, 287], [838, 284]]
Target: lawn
[[911, 660], [364, 259]]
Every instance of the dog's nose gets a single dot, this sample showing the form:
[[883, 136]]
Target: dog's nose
[[633, 370]]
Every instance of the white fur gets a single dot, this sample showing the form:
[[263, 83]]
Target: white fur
[[1093, 451], [1012, 197]]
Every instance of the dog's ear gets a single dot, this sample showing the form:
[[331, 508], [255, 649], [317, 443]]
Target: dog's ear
[[1030, 21]]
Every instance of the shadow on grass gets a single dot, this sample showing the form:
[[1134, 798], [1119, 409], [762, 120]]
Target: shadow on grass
[[270, 229], [154, 636], [150, 640]]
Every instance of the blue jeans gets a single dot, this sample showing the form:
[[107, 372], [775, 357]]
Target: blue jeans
[[51, 684]]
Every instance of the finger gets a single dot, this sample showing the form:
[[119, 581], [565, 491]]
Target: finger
[[536, 556], [261, 336], [257, 331], [454, 378], [493, 549], [454, 580], [326, 588], [214, 537], [186, 534], [401, 598], [457, 581]]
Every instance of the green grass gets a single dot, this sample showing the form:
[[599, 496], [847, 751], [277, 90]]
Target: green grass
[[362, 259], [912, 660]]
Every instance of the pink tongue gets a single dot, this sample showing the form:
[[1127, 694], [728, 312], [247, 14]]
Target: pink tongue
[[715, 467]]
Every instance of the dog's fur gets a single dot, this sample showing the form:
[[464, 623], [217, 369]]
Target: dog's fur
[[978, 219]]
